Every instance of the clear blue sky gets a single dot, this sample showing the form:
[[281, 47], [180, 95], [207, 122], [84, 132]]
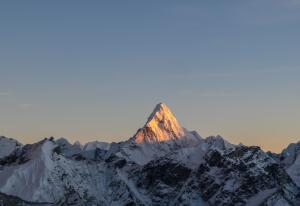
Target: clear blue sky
[[92, 70]]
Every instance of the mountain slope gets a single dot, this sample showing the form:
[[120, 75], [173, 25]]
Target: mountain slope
[[7, 146], [160, 135], [290, 160], [162, 164]]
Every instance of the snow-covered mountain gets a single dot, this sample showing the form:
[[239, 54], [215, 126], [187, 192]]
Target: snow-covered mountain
[[162, 164], [7, 146], [290, 160], [160, 135]]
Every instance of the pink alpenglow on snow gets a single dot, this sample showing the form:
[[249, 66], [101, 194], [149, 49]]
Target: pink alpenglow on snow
[[161, 126]]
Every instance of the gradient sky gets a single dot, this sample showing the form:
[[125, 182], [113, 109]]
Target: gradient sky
[[94, 70]]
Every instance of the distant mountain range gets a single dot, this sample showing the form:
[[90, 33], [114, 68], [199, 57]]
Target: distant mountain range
[[162, 164]]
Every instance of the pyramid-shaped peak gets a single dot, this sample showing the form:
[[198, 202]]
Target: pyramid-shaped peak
[[161, 110], [161, 126]]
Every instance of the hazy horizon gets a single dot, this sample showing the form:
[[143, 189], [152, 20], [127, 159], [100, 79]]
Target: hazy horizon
[[95, 71], [119, 139]]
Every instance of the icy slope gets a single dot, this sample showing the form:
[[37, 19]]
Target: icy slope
[[7, 146], [25, 173]]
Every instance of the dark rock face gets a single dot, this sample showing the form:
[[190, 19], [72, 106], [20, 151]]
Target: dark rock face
[[21, 155], [17, 157], [167, 173], [234, 177], [223, 179], [227, 179], [8, 200]]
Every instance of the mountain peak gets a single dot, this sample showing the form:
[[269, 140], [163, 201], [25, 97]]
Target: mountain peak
[[160, 108], [161, 126]]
